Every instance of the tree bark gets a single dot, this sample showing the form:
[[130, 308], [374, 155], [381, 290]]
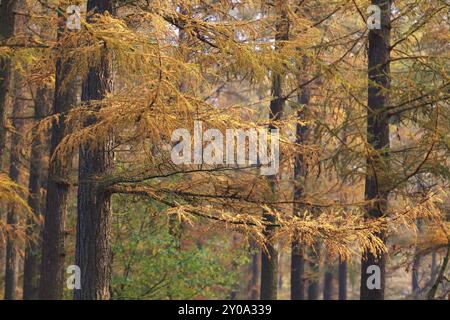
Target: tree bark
[[297, 252], [378, 140], [12, 219], [415, 276], [328, 282], [314, 267], [21, 95], [51, 282], [252, 289], [38, 150], [297, 272], [93, 248], [433, 270], [269, 257], [441, 276], [415, 288], [342, 279], [6, 31]]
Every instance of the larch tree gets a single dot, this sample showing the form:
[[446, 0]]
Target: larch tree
[[6, 32], [93, 247], [378, 147], [51, 283], [21, 103], [342, 279], [269, 256], [36, 182]]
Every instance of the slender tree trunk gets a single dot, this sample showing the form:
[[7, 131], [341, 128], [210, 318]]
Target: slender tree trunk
[[252, 289], [38, 150], [51, 282], [12, 219], [314, 267], [378, 140], [280, 271], [441, 275], [93, 248], [21, 95], [416, 266], [328, 280], [342, 279], [297, 251], [6, 31], [269, 257], [433, 270], [415, 276], [297, 272], [342, 264]]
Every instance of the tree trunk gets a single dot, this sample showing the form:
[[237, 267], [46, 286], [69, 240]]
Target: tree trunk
[[6, 31], [416, 266], [52, 265], [415, 276], [21, 95], [252, 290], [297, 252], [38, 150], [433, 270], [297, 272], [269, 265], [93, 248], [328, 282], [342, 279], [314, 267], [441, 275], [12, 254], [269, 257], [378, 140]]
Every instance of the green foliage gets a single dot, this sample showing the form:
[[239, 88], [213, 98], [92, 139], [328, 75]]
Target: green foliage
[[149, 263]]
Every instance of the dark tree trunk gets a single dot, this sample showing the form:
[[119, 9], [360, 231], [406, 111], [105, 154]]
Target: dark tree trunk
[[378, 139], [12, 254], [6, 31], [93, 248], [342, 279], [20, 97], [297, 272], [314, 267], [269, 264], [297, 251], [328, 287], [440, 276], [433, 270], [38, 151], [416, 266], [269, 257], [415, 276], [51, 282], [253, 292]]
